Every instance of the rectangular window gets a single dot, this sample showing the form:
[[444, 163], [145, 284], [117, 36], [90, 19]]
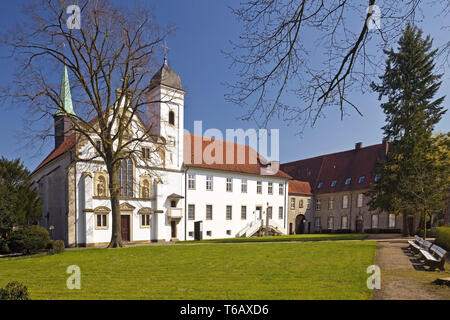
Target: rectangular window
[[344, 224], [331, 204], [374, 221], [270, 188], [318, 205], [208, 233], [209, 183], [229, 184], [244, 185], [229, 213], [292, 203], [259, 187], [243, 212], [280, 213], [300, 203], [269, 212], [330, 223], [209, 210], [308, 205], [360, 200], [191, 233], [145, 153], [145, 220], [317, 223], [191, 212], [345, 202], [102, 221], [391, 220], [191, 181], [280, 189], [228, 232]]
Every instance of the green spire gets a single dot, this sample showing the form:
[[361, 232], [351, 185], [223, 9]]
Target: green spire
[[65, 96]]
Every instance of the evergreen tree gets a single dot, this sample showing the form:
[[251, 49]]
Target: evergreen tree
[[19, 203], [412, 178]]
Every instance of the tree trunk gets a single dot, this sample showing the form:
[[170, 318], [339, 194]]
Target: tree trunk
[[116, 236], [405, 224]]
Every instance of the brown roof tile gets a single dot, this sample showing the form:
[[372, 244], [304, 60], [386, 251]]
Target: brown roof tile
[[299, 187], [338, 167]]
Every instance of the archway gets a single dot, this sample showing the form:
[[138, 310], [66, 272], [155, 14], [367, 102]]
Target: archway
[[300, 224]]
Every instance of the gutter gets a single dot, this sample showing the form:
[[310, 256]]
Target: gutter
[[185, 203]]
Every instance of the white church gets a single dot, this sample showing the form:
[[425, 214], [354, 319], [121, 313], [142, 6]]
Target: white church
[[181, 198]]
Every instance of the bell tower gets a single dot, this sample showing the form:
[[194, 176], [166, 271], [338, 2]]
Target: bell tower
[[63, 124], [165, 113]]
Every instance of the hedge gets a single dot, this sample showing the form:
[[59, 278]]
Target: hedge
[[29, 239], [443, 237]]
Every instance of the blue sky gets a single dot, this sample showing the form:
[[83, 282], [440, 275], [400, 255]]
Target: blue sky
[[204, 29]]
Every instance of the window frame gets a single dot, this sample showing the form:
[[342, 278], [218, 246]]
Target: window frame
[[191, 218], [210, 182], [191, 178]]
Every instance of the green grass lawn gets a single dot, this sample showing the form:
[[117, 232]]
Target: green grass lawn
[[296, 237], [309, 270]]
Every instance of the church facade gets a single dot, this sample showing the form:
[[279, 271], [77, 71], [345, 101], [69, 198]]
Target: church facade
[[172, 197]]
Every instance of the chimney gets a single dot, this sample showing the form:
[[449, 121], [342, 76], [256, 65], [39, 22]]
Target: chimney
[[358, 145], [385, 144]]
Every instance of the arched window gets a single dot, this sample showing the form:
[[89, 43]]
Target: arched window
[[126, 178], [172, 118], [101, 187]]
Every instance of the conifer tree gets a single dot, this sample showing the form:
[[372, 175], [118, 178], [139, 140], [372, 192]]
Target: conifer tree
[[413, 177]]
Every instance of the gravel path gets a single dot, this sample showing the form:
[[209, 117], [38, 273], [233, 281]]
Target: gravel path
[[403, 276]]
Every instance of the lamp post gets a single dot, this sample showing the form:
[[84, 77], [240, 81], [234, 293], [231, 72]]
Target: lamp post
[[51, 228]]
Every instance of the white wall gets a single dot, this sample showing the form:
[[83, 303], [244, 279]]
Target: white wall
[[219, 198]]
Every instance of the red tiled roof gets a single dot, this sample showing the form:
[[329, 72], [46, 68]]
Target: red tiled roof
[[251, 163], [63, 148], [338, 166], [299, 187], [249, 160]]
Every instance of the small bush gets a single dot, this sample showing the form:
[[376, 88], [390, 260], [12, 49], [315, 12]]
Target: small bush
[[55, 246], [4, 248], [14, 291], [419, 232], [29, 239], [443, 237]]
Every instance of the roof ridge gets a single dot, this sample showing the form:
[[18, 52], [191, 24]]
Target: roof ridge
[[330, 154]]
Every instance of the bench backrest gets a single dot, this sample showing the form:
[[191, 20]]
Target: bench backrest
[[426, 244], [438, 251]]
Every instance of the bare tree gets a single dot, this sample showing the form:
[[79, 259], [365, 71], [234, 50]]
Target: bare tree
[[111, 60], [321, 51]]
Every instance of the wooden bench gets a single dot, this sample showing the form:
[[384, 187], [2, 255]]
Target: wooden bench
[[416, 245], [435, 257]]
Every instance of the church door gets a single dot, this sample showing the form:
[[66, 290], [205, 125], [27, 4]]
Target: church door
[[125, 222]]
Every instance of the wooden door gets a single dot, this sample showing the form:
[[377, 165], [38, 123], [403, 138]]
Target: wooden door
[[173, 225], [359, 225], [125, 228]]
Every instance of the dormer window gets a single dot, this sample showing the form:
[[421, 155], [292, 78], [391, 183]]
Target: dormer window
[[348, 181], [333, 183], [361, 179], [172, 118], [320, 185]]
